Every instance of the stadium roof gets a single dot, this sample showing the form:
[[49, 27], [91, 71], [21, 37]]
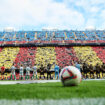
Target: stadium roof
[[9, 29]]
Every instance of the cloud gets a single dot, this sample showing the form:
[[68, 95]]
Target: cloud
[[91, 22], [67, 14], [102, 19], [19, 13]]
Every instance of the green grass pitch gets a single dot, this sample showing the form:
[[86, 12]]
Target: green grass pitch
[[87, 89]]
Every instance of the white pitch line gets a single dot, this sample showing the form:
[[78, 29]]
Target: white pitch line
[[92, 79], [9, 82], [26, 82], [72, 101]]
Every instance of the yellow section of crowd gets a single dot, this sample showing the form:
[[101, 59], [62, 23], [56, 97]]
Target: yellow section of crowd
[[8, 55], [45, 55], [86, 54]]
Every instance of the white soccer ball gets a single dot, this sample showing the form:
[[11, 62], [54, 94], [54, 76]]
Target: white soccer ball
[[70, 76]]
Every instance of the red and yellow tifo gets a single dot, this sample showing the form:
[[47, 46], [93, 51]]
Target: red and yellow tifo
[[63, 56]]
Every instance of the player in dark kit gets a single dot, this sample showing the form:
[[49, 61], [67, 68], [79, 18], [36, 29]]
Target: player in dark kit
[[85, 70], [48, 70], [42, 71], [103, 70], [98, 70], [91, 71]]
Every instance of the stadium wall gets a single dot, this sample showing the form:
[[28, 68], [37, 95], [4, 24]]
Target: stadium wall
[[51, 45]]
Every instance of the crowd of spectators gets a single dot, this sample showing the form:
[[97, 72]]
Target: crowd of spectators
[[45, 58], [72, 36]]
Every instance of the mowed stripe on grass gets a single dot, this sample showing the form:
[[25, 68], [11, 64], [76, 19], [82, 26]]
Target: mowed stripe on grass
[[87, 89]]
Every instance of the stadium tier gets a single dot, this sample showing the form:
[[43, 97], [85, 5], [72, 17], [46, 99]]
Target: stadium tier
[[25, 56], [62, 56], [100, 51], [65, 55], [87, 55], [45, 55], [52, 36]]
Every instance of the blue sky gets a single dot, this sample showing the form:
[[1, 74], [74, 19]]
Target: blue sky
[[60, 14]]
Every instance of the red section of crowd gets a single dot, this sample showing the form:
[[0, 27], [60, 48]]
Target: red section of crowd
[[1, 49], [65, 56], [100, 52], [25, 56]]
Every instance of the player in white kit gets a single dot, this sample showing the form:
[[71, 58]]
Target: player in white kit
[[21, 72], [13, 68], [35, 72], [28, 69]]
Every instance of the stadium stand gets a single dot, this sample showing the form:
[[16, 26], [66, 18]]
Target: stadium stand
[[45, 55], [52, 36], [25, 56], [7, 56], [100, 51], [55, 47], [87, 55], [65, 56]]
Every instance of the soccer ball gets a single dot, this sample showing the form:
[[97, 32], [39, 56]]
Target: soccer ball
[[70, 76]]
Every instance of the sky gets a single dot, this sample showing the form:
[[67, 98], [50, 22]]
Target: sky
[[59, 14]]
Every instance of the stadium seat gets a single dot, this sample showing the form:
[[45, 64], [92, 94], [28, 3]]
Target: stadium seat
[[45, 55], [51, 36], [86, 54], [65, 56], [8, 55], [100, 51], [25, 56]]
